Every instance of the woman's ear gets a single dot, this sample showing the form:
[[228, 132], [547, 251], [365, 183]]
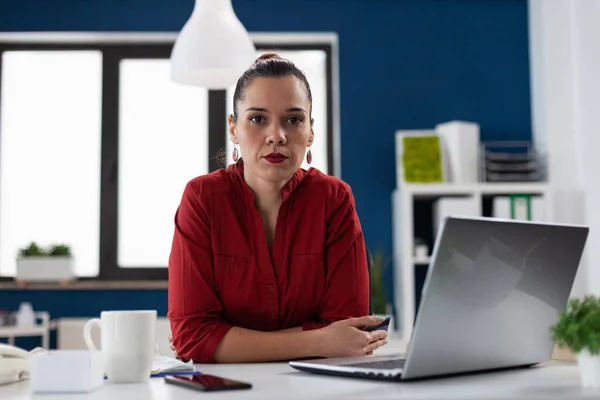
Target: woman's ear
[[232, 129]]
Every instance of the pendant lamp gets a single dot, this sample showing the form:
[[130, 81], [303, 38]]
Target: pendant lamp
[[213, 49]]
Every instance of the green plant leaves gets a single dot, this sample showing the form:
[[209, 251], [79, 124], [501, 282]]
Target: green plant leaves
[[59, 250], [578, 327], [378, 267], [34, 250]]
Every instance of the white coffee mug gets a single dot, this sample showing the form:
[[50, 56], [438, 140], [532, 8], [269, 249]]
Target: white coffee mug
[[127, 344]]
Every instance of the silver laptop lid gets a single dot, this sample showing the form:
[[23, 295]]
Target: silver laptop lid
[[492, 291]]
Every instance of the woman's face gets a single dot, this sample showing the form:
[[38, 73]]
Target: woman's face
[[273, 127]]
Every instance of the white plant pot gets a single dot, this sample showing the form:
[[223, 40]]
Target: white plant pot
[[45, 269], [589, 369]]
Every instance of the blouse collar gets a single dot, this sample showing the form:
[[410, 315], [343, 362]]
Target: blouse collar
[[291, 185]]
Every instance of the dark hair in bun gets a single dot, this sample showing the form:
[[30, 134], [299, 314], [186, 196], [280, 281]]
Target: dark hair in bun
[[268, 65], [268, 56]]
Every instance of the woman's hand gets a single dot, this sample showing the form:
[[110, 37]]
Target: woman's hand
[[346, 338], [171, 345]]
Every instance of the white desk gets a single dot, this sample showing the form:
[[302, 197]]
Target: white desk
[[555, 380]]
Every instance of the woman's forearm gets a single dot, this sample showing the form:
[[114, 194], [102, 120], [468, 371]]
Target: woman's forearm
[[295, 329], [242, 345]]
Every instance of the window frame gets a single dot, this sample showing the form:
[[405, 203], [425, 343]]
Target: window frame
[[116, 47]]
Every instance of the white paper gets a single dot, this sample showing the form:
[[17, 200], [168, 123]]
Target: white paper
[[162, 364]]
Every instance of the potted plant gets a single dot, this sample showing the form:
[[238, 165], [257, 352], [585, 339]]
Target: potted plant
[[379, 301], [578, 329], [36, 264]]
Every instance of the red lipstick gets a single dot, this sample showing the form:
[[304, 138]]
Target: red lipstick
[[275, 158]]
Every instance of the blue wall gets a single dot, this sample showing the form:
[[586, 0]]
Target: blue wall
[[80, 303], [403, 65]]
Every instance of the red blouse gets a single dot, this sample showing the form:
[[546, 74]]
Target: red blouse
[[222, 275]]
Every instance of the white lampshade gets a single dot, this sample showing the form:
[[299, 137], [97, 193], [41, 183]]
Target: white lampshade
[[213, 48]]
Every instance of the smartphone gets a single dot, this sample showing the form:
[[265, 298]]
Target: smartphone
[[381, 326], [207, 383]]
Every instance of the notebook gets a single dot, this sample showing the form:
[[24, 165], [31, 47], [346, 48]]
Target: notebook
[[167, 365]]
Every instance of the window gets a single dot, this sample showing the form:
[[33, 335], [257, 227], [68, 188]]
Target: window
[[162, 145], [97, 144], [50, 153]]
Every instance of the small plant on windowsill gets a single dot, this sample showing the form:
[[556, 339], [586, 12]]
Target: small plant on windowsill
[[60, 250], [36, 264], [578, 329]]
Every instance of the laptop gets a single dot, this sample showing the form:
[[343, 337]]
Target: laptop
[[493, 289]]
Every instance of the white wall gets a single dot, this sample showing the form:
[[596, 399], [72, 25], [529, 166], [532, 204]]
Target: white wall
[[565, 85]]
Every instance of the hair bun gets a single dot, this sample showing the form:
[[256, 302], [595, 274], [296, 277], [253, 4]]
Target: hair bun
[[268, 56]]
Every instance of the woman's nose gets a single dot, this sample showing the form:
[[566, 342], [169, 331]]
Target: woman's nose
[[276, 135]]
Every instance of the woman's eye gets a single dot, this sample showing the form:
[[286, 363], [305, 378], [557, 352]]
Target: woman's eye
[[294, 120], [257, 119]]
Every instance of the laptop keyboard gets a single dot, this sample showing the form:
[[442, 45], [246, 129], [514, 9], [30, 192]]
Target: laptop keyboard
[[386, 364]]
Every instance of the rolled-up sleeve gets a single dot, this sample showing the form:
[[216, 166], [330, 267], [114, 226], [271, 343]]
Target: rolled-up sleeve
[[194, 309], [347, 277]]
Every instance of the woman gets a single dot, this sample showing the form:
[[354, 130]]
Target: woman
[[268, 260]]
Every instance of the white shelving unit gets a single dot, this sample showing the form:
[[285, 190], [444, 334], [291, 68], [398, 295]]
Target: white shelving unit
[[41, 329], [403, 236]]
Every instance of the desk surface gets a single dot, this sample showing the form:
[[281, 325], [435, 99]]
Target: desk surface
[[554, 380]]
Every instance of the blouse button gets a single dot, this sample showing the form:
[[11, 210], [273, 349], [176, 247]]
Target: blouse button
[[205, 358], [272, 287]]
